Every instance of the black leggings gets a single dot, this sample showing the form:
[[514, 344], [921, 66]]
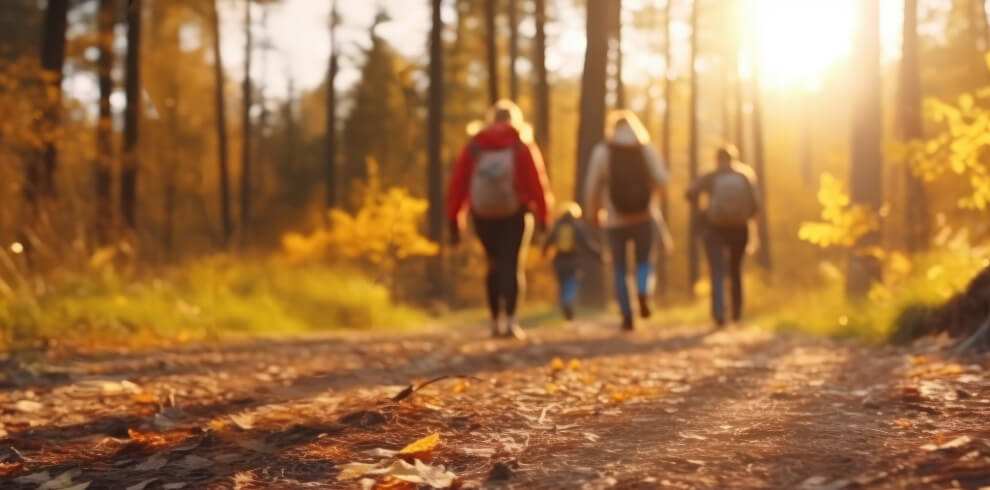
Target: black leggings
[[503, 240]]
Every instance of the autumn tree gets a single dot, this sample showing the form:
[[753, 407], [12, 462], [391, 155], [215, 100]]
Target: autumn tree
[[330, 164], [592, 125], [435, 137], [491, 48], [694, 266], [764, 256], [103, 170], [132, 118], [866, 173], [911, 128], [40, 179], [227, 222], [513, 6], [247, 134], [542, 89]]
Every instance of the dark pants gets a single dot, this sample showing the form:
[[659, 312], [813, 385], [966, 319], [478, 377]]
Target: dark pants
[[641, 235], [719, 243], [502, 239]]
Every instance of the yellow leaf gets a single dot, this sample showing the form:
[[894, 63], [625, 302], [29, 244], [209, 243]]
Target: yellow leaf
[[552, 389], [950, 369], [422, 446], [588, 379], [919, 360], [462, 387], [557, 364], [904, 423], [574, 365], [939, 439], [145, 399], [217, 425]]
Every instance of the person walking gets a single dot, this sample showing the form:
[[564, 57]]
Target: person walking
[[568, 238], [626, 177], [733, 202], [500, 177]]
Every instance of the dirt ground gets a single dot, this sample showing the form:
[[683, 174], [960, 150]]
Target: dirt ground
[[578, 407]]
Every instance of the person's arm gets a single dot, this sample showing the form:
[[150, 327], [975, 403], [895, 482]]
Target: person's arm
[[551, 238], [594, 183], [700, 186], [534, 183], [457, 193], [754, 187], [589, 243]]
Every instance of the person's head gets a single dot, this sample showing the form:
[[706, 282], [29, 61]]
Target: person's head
[[726, 155], [624, 123], [507, 112], [570, 209]]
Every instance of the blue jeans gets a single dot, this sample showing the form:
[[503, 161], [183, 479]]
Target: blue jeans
[[642, 236], [719, 243]]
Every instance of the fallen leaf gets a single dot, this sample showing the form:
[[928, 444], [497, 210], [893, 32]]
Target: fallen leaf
[[243, 421], [145, 399], [393, 483], [950, 369], [421, 447], [557, 364], [28, 406], [163, 423], [64, 482], [193, 462], [353, 471], [140, 485], [574, 365], [904, 423], [461, 387], [154, 463], [218, 425], [36, 478], [174, 486], [919, 360], [552, 389], [146, 439], [11, 469]]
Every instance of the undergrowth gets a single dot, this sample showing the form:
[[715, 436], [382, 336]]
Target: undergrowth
[[203, 300]]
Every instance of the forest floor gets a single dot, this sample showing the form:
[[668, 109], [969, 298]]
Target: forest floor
[[583, 406]]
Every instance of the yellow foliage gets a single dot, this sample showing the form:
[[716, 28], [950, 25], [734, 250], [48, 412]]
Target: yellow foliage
[[843, 223], [422, 446], [384, 232]]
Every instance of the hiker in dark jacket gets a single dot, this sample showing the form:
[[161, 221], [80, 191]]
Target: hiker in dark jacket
[[626, 177], [569, 240], [733, 202], [500, 176]]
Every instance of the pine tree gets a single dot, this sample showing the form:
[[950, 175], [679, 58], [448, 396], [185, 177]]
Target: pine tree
[[103, 171], [132, 119], [227, 223]]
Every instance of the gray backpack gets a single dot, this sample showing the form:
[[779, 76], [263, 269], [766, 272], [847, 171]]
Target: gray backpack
[[493, 183], [732, 202]]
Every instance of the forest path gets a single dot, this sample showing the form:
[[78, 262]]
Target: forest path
[[578, 407]]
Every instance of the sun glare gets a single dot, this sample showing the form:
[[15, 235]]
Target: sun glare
[[800, 39]]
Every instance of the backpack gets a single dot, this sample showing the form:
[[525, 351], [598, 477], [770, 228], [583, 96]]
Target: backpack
[[493, 183], [565, 242], [630, 183], [731, 203]]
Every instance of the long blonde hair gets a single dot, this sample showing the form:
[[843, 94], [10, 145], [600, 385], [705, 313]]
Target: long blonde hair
[[619, 117]]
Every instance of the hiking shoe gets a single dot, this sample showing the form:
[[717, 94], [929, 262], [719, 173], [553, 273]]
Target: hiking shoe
[[496, 329], [644, 307], [568, 312], [515, 332], [627, 324]]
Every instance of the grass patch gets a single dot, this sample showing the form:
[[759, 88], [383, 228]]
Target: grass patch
[[206, 299]]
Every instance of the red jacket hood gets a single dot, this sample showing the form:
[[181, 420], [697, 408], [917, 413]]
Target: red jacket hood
[[498, 135]]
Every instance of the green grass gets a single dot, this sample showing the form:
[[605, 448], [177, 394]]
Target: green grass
[[929, 281], [206, 299]]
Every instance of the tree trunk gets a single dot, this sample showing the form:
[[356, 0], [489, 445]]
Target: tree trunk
[[694, 266], [40, 178], [911, 126], [103, 170], [330, 170], [592, 125], [542, 98], [435, 142], [491, 49], [616, 33], [246, 127], [513, 50], [132, 119], [980, 20], [867, 158], [739, 87], [764, 256], [668, 97], [227, 223]]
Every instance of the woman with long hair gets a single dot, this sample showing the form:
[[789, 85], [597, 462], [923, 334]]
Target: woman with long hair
[[625, 178], [500, 178]]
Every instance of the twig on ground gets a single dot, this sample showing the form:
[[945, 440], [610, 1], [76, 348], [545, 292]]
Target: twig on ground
[[412, 389]]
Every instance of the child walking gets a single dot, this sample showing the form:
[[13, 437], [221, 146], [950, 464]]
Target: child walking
[[568, 239]]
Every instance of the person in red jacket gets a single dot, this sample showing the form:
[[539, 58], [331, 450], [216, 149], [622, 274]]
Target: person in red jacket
[[501, 178]]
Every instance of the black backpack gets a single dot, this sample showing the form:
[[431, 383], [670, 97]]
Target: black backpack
[[630, 183]]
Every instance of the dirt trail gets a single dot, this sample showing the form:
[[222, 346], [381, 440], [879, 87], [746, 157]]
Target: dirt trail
[[582, 407]]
